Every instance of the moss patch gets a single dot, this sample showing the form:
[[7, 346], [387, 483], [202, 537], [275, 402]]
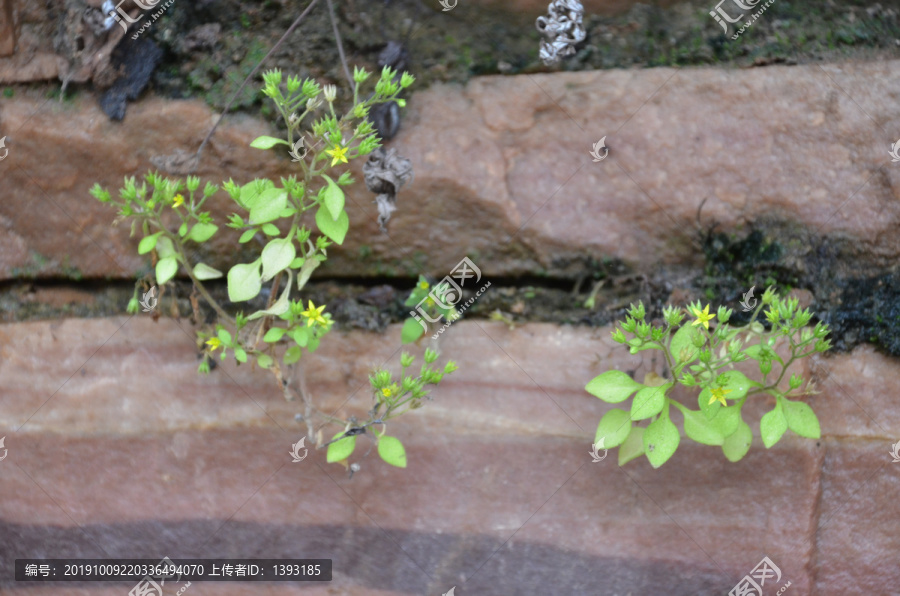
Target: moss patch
[[481, 40]]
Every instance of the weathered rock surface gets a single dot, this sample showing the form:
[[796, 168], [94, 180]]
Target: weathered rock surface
[[8, 32], [118, 448], [506, 159]]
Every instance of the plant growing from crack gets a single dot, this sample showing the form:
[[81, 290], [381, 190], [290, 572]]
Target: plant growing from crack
[[703, 357], [433, 310], [274, 216]]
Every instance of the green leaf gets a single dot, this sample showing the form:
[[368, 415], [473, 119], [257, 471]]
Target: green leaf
[[737, 383], [761, 352], [265, 142], [300, 335], [274, 334], [292, 355], [341, 450], [271, 229], [726, 421], [698, 428], [801, 419], [264, 360], [202, 232], [682, 347], [313, 344], [269, 205], [240, 355], [252, 191], [614, 428], [204, 272], [333, 198], [225, 336], [148, 243], [305, 271], [298, 262], [613, 386], [281, 305], [661, 440], [244, 282], [334, 229], [276, 256], [633, 447], [165, 248], [412, 331], [649, 402], [166, 269], [391, 450], [772, 426], [247, 236], [182, 229], [710, 410], [738, 443], [753, 351]]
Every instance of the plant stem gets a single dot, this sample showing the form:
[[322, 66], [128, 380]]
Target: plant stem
[[219, 310]]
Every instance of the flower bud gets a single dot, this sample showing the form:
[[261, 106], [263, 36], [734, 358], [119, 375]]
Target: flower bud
[[359, 74]]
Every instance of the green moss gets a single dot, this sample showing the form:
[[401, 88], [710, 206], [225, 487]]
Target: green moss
[[217, 85], [69, 271]]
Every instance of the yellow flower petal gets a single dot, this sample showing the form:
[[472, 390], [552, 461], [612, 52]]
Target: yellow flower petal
[[703, 317], [339, 154], [718, 394]]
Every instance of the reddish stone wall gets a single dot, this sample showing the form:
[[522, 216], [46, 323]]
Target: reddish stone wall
[[123, 450], [507, 159]]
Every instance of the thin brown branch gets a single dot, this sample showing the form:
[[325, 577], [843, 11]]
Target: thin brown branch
[[253, 72], [340, 45]]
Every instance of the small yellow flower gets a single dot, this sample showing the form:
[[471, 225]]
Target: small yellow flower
[[214, 343], [386, 392], [718, 394], [703, 316], [179, 201], [339, 154], [424, 285], [314, 315]]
